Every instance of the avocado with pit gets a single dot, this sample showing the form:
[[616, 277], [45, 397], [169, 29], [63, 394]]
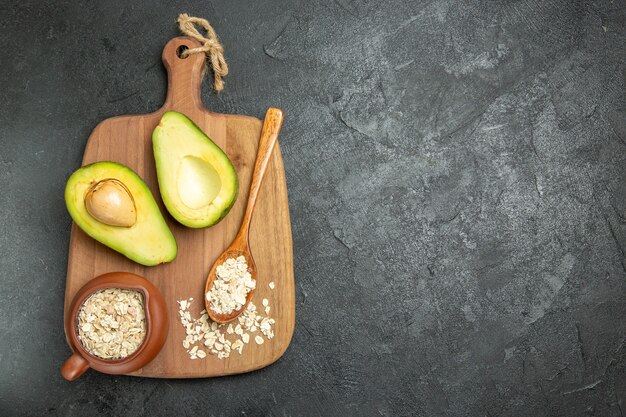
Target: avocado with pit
[[198, 182], [113, 205]]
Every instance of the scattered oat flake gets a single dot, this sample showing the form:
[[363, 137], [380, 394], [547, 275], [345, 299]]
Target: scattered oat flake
[[265, 302], [204, 337], [271, 285]]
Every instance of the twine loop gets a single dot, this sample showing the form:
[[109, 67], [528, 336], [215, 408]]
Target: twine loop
[[211, 46]]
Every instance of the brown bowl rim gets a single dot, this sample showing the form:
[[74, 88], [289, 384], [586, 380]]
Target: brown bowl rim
[[118, 280]]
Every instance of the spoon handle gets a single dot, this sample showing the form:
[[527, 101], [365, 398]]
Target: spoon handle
[[269, 136]]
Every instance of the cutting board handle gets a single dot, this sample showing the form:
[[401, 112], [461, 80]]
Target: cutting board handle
[[184, 75]]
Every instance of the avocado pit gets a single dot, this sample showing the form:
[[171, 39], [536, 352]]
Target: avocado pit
[[110, 202]]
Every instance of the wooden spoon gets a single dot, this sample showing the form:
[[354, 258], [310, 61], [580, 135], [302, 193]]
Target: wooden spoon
[[240, 246]]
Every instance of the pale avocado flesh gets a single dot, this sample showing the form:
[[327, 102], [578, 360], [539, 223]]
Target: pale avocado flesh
[[198, 182], [148, 242]]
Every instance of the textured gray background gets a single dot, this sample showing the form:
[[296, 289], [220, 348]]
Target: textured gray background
[[456, 179]]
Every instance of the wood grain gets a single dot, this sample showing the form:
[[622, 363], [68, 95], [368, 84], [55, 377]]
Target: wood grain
[[127, 140]]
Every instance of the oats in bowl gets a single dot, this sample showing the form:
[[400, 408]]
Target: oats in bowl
[[112, 323]]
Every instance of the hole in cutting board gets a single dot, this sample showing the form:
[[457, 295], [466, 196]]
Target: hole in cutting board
[[180, 50]]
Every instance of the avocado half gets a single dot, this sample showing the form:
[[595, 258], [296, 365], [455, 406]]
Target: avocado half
[[198, 182], [148, 240]]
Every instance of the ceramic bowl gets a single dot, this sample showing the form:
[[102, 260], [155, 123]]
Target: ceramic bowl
[[156, 327]]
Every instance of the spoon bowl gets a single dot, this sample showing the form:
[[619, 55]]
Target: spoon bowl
[[234, 251], [240, 245]]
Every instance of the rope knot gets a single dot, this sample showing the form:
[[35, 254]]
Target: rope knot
[[211, 46]]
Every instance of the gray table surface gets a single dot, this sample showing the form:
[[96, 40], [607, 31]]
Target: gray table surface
[[456, 174]]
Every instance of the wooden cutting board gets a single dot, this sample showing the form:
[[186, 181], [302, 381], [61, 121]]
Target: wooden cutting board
[[127, 140]]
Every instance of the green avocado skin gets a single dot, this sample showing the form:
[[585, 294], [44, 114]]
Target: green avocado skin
[[175, 138], [149, 242]]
